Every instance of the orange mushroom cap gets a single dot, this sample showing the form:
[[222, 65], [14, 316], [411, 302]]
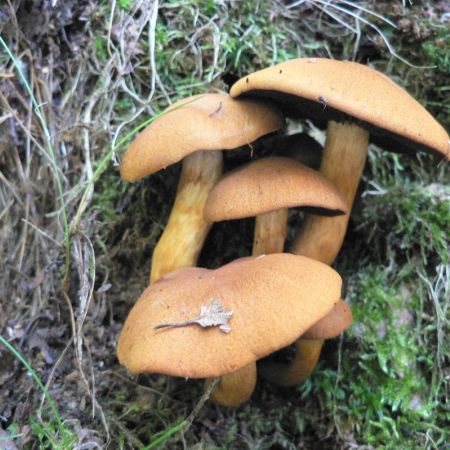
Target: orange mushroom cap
[[269, 184], [260, 324], [201, 122], [335, 322], [325, 89]]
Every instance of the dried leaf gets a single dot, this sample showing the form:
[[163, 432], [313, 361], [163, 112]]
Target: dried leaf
[[213, 315]]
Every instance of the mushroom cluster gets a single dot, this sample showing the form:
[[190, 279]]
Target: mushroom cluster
[[200, 323]]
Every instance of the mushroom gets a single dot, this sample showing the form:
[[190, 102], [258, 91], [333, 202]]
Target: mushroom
[[189, 130], [308, 348], [164, 332], [357, 102], [266, 188]]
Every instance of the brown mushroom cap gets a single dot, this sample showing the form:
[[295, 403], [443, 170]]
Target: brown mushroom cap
[[261, 323], [339, 319], [325, 89], [201, 122], [269, 184]]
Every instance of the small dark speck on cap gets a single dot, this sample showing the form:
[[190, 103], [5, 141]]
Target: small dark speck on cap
[[281, 71], [247, 80]]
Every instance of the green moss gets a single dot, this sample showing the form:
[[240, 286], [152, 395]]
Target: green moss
[[51, 435], [100, 48], [407, 202], [107, 193], [383, 393], [123, 105], [126, 5], [437, 50]]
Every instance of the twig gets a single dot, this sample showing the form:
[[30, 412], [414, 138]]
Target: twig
[[203, 399]]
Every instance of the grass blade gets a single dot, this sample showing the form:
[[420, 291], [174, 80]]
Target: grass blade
[[166, 435], [35, 377]]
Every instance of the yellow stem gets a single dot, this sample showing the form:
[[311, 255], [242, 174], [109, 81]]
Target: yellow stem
[[343, 161], [186, 230], [234, 388], [270, 232]]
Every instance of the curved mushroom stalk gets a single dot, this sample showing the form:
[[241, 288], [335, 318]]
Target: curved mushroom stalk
[[234, 388], [306, 358], [343, 161], [186, 230]]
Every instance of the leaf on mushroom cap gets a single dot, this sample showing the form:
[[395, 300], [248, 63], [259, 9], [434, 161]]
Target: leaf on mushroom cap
[[269, 184], [274, 299], [325, 89], [338, 320], [201, 122]]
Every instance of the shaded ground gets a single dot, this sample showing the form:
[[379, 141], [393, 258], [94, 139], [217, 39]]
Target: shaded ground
[[76, 241]]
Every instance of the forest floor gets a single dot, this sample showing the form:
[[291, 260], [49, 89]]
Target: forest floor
[[77, 79]]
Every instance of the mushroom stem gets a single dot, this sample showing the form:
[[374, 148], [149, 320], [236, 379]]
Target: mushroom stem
[[343, 161], [321, 237], [186, 230], [270, 232], [306, 358], [234, 388]]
